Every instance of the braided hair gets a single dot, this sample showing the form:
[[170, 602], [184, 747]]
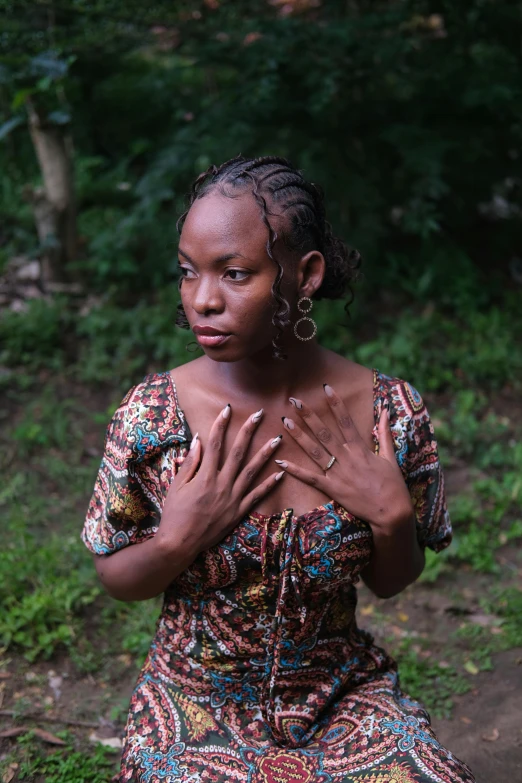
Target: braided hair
[[275, 182]]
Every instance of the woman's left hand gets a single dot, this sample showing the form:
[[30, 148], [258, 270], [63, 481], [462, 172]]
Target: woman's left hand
[[369, 486]]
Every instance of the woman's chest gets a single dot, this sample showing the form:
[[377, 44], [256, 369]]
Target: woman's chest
[[309, 554]]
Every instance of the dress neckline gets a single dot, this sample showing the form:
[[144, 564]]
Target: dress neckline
[[289, 511]]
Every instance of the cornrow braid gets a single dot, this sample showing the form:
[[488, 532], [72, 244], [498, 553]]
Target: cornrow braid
[[277, 185]]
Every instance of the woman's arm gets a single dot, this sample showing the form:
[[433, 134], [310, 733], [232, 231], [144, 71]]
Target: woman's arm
[[200, 509], [397, 559], [143, 571]]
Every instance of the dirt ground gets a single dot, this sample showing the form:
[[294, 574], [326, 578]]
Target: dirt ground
[[486, 728]]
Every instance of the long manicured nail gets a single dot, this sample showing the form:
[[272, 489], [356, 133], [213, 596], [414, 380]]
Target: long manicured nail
[[276, 441], [257, 415], [279, 476], [226, 411], [296, 403], [281, 462], [328, 390], [289, 424], [194, 441]]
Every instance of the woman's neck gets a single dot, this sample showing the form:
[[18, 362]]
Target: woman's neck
[[263, 376]]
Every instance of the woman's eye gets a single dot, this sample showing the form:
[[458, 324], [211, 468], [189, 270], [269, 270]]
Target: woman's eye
[[237, 274], [185, 272]]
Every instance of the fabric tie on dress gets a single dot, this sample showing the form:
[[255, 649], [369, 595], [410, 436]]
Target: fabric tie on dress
[[286, 545]]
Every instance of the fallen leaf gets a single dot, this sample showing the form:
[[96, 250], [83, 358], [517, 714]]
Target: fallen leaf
[[46, 736], [367, 610], [9, 773], [492, 736], [403, 617], [471, 668], [465, 720], [16, 731]]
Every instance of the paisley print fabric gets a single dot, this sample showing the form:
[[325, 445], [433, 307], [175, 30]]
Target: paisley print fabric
[[258, 672]]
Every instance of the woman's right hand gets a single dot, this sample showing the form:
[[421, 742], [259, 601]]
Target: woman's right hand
[[202, 507]]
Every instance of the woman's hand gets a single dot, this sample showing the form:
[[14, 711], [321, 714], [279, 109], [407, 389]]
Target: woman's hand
[[202, 508], [369, 486]]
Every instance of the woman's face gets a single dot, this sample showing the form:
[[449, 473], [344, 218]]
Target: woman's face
[[227, 276]]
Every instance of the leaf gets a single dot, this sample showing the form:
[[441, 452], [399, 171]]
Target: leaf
[[16, 731], [492, 736], [471, 668], [46, 736], [21, 97], [10, 125], [9, 773]]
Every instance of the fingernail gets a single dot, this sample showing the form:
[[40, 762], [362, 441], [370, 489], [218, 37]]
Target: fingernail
[[281, 462], [276, 441], [289, 424], [257, 415], [279, 476], [226, 411], [194, 441], [328, 390], [296, 403]]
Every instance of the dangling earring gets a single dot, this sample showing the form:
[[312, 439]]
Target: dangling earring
[[305, 309]]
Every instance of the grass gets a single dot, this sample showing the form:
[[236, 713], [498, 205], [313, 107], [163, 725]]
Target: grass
[[53, 605], [31, 761]]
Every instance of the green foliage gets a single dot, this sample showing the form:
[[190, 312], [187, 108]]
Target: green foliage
[[410, 119], [35, 338], [436, 351], [425, 679], [97, 765], [45, 584], [126, 342]]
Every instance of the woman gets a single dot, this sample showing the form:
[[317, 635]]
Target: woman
[[257, 671]]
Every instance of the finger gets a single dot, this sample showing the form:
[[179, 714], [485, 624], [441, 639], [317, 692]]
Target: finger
[[253, 497], [306, 476], [236, 455], [330, 440], [253, 467], [310, 446], [189, 466], [349, 432], [212, 455], [386, 446]]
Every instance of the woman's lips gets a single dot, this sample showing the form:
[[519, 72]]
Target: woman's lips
[[211, 340]]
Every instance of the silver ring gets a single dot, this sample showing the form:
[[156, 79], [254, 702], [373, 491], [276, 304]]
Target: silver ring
[[330, 463]]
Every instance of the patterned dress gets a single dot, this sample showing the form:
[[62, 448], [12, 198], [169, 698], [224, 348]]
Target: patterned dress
[[257, 672]]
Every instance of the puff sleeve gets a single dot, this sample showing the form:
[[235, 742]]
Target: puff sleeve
[[145, 442], [417, 455]]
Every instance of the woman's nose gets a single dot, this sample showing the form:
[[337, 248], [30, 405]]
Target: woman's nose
[[207, 297]]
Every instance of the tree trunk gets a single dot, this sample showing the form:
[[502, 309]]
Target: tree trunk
[[54, 208]]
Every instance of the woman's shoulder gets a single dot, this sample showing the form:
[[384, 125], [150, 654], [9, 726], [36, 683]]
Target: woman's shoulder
[[147, 420], [392, 391]]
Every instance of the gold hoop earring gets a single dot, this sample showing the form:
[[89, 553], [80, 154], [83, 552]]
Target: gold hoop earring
[[305, 309]]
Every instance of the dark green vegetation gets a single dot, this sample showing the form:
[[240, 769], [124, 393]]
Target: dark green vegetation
[[410, 115]]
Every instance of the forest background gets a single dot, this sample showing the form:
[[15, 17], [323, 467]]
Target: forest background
[[409, 114]]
